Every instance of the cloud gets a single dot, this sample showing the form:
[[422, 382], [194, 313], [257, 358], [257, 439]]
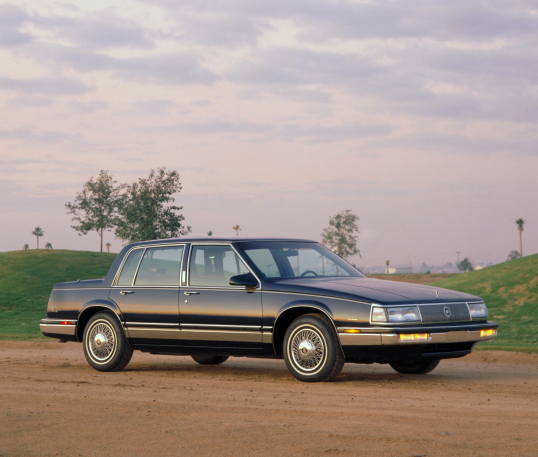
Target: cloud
[[45, 86], [11, 18], [29, 134]]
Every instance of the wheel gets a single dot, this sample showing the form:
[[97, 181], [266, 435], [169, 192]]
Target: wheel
[[414, 367], [311, 349], [105, 345], [209, 359], [309, 271]]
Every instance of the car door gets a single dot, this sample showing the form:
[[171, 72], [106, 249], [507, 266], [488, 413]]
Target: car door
[[147, 293], [213, 313]]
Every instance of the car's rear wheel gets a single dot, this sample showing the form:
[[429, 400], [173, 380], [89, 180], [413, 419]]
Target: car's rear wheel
[[105, 345], [209, 359], [311, 349], [414, 367]]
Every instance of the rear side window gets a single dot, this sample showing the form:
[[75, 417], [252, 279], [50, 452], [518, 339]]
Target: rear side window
[[160, 267], [129, 268]]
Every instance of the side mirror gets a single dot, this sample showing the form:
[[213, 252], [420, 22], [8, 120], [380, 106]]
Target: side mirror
[[246, 280]]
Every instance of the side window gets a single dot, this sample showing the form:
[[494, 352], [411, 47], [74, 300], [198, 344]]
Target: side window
[[160, 267], [129, 268], [214, 266]]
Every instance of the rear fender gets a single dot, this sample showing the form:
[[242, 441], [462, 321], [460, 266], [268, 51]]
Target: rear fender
[[92, 307]]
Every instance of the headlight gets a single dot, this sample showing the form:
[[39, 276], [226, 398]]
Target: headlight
[[399, 314], [478, 310], [404, 314]]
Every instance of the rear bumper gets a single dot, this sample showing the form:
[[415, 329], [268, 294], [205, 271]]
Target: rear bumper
[[57, 328]]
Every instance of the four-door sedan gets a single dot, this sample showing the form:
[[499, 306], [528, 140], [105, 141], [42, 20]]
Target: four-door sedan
[[215, 298]]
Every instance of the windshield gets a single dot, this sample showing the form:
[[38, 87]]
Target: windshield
[[294, 259]]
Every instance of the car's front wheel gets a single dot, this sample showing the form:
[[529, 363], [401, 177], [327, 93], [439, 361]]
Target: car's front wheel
[[311, 349], [209, 359], [105, 345], [414, 367]]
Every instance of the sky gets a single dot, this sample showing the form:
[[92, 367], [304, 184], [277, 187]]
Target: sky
[[419, 116]]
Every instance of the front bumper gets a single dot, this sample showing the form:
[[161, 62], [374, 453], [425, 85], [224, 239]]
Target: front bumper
[[383, 344], [388, 336]]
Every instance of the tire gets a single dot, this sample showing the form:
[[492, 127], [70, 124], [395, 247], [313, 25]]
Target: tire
[[209, 359], [414, 367], [105, 345], [311, 349]]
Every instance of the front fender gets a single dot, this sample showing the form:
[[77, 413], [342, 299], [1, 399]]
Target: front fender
[[305, 303]]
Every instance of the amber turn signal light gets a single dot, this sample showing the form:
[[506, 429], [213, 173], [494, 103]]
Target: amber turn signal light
[[414, 336], [351, 330], [488, 332]]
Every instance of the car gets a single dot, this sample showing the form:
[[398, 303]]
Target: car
[[275, 298]]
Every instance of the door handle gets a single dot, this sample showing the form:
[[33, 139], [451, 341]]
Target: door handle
[[192, 293], [125, 292]]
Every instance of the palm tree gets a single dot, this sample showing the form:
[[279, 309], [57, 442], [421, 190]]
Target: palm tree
[[108, 247], [37, 233], [237, 230], [26, 247], [520, 222], [48, 246]]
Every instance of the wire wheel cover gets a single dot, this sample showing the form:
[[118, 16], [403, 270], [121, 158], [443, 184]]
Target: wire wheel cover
[[101, 341], [308, 349]]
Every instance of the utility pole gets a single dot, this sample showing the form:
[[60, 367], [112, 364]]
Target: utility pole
[[458, 252]]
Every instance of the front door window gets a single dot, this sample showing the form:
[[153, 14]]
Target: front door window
[[214, 266]]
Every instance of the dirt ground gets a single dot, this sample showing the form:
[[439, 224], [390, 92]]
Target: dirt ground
[[53, 403]]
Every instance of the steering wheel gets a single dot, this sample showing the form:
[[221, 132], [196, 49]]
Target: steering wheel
[[309, 271]]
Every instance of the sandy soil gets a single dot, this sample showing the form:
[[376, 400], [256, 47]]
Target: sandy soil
[[53, 403]]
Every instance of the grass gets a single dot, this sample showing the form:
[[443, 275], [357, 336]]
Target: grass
[[510, 290], [27, 278]]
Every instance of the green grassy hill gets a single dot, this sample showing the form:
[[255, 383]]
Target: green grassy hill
[[510, 291], [27, 277]]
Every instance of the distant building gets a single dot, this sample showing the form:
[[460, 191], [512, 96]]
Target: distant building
[[398, 270]]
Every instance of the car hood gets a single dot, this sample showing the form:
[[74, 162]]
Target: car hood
[[369, 290]]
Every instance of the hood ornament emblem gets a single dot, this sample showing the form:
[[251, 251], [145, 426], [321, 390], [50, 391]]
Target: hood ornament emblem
[[436, 293]]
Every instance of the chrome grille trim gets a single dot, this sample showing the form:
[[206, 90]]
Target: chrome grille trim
[[435, 312]]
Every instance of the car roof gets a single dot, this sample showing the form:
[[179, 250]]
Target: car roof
[[214, 239]]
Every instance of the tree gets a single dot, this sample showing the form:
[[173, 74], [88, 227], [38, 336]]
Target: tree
[[520, 222], [143, 214], [108, 247], [237, 229], [48, 246], [95, 208], [342, 234], [210, 233], [37, 233], [513, 255], [465, 265], [26, 247]]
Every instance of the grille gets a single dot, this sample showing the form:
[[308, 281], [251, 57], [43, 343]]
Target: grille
[[436, 313]]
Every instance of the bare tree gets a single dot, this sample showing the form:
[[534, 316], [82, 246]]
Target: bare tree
[[38, 231], [237, 229], [520, 222]]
